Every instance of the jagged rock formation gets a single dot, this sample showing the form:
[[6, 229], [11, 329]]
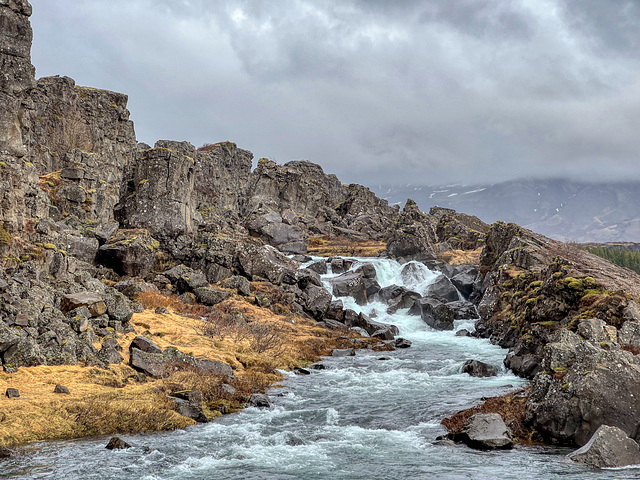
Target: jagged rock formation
[[81, 201], [566, 316]]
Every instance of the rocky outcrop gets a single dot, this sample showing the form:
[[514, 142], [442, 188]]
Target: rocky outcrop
[[559, 310], [17, 76], [414, 235], [582, 386], [160, 191]]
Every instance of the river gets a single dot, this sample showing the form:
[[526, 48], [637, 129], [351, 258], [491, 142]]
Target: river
[[372, 416]]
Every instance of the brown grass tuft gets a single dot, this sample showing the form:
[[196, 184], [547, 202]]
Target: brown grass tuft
[[457, 257], [329, 246]]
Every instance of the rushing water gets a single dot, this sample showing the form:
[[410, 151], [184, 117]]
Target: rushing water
[[372, 416]]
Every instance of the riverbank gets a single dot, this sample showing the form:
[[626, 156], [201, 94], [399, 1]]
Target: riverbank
[[119, 399]]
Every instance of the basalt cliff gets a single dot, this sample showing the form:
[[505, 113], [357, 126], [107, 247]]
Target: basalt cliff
[[91, 221]]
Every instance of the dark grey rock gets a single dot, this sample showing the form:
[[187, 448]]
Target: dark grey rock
[[402, 343], [343, 352], [117, 444], [12, 393], [189, 409], [211, 296], [463, 310], [214, 367], [144, 344], [238, 283], [131, 253], [109, 355], [6, 452], [436, 314], [609, 447], [259, 400], [335, 311], [61, 389], [133, 287], [118, 306], [317, 301], [465, 280], [186, 279], [350, 284], [319, 267], [367, 270], [476, 368], [93, 301], [443, 290]]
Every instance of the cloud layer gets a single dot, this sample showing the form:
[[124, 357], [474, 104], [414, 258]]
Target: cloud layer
[[375, 91]]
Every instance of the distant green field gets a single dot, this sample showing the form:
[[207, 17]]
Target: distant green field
[[624, 258]]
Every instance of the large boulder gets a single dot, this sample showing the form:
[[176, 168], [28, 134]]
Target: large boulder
[[186, 279], [414, 237], [317, 301], [581, 387], [271, 229], [463, 310], [485, 431], [93, 301], [476, 368], [396, 297], [146, 357], [211, 296], [436, 314], [266, 262], [350, 284], [129, 252], [443, 290], [465, 279], [384, 331], [149, 204], [609, 447]]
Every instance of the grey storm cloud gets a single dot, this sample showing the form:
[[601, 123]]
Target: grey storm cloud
[[374, 91]]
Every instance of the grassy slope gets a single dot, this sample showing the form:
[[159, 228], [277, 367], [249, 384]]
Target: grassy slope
[[119, 400]]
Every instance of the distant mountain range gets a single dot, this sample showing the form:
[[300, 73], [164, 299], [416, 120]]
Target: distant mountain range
[[558, 208]]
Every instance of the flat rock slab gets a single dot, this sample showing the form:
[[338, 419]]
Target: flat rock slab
[[609, 447], [93, 301]]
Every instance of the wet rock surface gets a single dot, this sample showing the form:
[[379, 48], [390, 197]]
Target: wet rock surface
[[609, 447]]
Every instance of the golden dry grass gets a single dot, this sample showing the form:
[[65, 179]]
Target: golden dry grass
[[457, 257], [342, 246], [118, 400]]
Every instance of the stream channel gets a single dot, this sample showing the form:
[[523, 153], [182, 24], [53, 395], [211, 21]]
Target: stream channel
[[360, 418]]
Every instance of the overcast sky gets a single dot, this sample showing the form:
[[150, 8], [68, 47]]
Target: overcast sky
[[375, 91]]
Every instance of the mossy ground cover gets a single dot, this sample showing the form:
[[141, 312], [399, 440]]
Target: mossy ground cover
[[119, 400]]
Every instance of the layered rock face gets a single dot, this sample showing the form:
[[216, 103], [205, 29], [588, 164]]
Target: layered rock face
[[17, 76]]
